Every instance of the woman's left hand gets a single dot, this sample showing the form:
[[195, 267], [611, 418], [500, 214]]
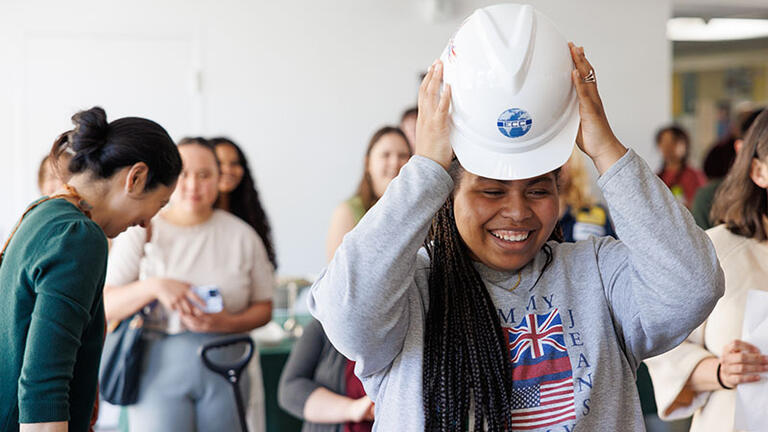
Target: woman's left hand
[[595, 137], [207, 323]]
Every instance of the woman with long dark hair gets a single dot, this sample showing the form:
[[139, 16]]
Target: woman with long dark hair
[[54, 264], [238, 194], [494, 324], [699, 377]]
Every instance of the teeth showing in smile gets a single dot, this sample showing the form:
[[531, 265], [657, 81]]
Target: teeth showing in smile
[[512, 236]]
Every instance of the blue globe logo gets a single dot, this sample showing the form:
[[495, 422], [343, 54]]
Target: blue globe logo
[[514, 123]]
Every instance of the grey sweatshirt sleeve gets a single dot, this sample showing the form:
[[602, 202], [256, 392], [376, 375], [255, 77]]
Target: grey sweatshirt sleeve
[[663, 278], [296, 381], [362, 296]]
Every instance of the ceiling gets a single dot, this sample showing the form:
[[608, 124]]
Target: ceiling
[[721, 8]]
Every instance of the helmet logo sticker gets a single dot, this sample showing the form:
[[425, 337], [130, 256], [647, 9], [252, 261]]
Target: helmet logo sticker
[[514, 123], [451, 50]]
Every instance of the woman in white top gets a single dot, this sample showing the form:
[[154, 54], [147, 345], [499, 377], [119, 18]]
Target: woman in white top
[[189, 244], [699, 376]]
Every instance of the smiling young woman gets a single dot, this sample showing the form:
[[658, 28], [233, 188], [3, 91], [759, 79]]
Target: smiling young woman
[[493, 324], [505, 222], [191, 244]]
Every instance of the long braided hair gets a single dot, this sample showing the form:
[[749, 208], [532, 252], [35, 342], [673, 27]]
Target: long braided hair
[[465, 351]]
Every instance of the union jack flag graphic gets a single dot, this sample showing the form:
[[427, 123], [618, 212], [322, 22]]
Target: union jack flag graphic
[[542, 380]]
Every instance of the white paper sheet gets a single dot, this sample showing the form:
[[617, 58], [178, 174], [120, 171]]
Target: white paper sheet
[[752, 398]]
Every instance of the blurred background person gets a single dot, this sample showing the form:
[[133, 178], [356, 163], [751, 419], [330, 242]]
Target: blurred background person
[[408, 124], [238, 194], [580, 214], [319, 386], [699, 377], [388, 150], [716, 166], [190, 244], [683, 180]]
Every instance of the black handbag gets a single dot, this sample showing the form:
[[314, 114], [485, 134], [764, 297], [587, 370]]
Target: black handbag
[[121, 362], [122, 356]]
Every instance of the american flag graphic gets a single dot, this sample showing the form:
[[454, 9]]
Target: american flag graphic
[[542, 393]]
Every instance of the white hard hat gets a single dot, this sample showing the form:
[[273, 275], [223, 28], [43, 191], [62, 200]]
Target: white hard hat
[[514, 107]]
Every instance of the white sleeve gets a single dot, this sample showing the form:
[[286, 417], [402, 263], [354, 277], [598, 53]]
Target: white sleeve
[[125, 256], [670, 372]]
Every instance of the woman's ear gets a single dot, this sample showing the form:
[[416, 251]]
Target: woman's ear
[[759, 173], [136, 180]]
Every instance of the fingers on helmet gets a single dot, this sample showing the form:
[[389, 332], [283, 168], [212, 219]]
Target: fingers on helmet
[[578, 82], [425, 85], [433, 88], [445, 100], [425, 80], [579, 60]]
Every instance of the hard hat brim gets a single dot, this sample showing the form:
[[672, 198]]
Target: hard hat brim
[[485, 162]]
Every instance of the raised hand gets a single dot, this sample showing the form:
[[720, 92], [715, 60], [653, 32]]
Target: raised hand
[[595, 137], [433, 124]]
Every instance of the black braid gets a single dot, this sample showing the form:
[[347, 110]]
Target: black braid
[[557, 235], [463, 358]]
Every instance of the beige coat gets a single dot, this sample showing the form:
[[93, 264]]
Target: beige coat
[[745, 263]]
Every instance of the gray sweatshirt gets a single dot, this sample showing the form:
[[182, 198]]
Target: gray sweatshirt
[[575, 338]]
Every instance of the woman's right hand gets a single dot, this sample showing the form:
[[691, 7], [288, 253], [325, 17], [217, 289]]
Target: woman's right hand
[[361, 410], [741, 363], [176, 295], [432, 125]]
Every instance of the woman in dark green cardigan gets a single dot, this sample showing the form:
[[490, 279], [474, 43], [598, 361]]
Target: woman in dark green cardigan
[[53, 266]]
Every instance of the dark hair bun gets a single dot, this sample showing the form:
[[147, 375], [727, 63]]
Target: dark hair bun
[[101, 148], [90, 133]]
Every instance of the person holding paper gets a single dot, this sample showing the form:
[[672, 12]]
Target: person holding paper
[[699, 376], [191, 245]]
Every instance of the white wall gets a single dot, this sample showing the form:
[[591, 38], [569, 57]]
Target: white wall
[[300, 84]]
